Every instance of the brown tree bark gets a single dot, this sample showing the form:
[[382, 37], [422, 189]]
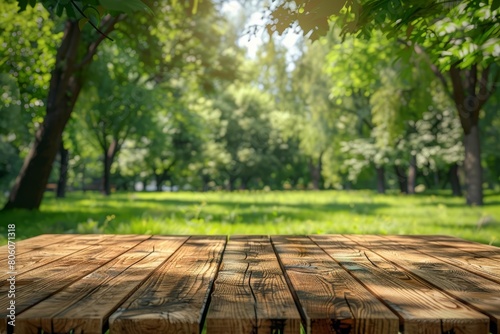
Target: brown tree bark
[[454, 180], [315, 169], [109, 157], [28, 189], [471, 89], [470, 93], [64, 88], [63, 171]]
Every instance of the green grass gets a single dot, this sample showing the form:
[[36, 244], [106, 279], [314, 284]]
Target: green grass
[[305, 212]]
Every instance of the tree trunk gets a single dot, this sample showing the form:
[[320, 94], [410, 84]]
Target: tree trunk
[[159, 181], [106, 185], [63, 171], [245, 182], [161, 178], [28, 189], [380, 179], [109, 156], [315, 170], [402, 179], [64, 88], [473, 168], [412, 175], [232, 183], [83, 179], [436, 179], [454, 180], [470, 93], [205, 179]]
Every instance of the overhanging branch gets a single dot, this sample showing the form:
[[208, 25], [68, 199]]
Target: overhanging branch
[[420, 51], [108, 26]]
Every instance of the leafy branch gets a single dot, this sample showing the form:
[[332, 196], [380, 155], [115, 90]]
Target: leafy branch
[[90, 21]]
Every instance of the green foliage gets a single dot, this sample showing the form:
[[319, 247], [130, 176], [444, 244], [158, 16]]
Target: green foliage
[[490, 123], [246, 133], [27, 49], [126, 6], [28, 43], [460, 33], [177, 95], [468, 34], [11, 126], [88, 9]]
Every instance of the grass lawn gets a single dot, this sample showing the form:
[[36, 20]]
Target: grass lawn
[[297, 212]]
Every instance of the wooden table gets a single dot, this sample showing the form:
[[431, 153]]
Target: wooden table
[[252, 284]]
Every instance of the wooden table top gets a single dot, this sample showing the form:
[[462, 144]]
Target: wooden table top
[[251, 284]]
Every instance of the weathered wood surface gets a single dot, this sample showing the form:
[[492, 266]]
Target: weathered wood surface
[[479, 293], [485, 261], [35, 285], [250, 293], [42, 251], [330, 300], [85, 305], [174, 298], [421, 307], [40, 241], [253, 284]]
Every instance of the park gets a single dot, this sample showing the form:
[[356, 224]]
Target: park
[[225, 166]]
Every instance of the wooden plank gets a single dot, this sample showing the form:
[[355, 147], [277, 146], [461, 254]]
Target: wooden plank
[[422, 308], [42, 240], [85, 306], [330, 299], [38, 284], [173, 299], [40, 255], [250, 294], [474, 248], [475, 263], [473, 290]]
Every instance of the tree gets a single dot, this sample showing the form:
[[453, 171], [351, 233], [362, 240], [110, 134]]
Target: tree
[[74, 54], [459, 39], [366, 87], [245, 132], [321, 126], [490, 122], [11, 129], [65, 86], [116, 103], [28, 47]]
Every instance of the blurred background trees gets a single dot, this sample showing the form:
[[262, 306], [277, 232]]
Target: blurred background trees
[[181, 100]]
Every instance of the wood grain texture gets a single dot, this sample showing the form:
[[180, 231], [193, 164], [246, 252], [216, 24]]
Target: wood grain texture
[[250, 294], [85, 305], [40, 254], [174, 298], [339, 284], [330, 300], [474, 248], [26, 245], [476, 263], [422, 308], [473, 290], [38, 284]]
